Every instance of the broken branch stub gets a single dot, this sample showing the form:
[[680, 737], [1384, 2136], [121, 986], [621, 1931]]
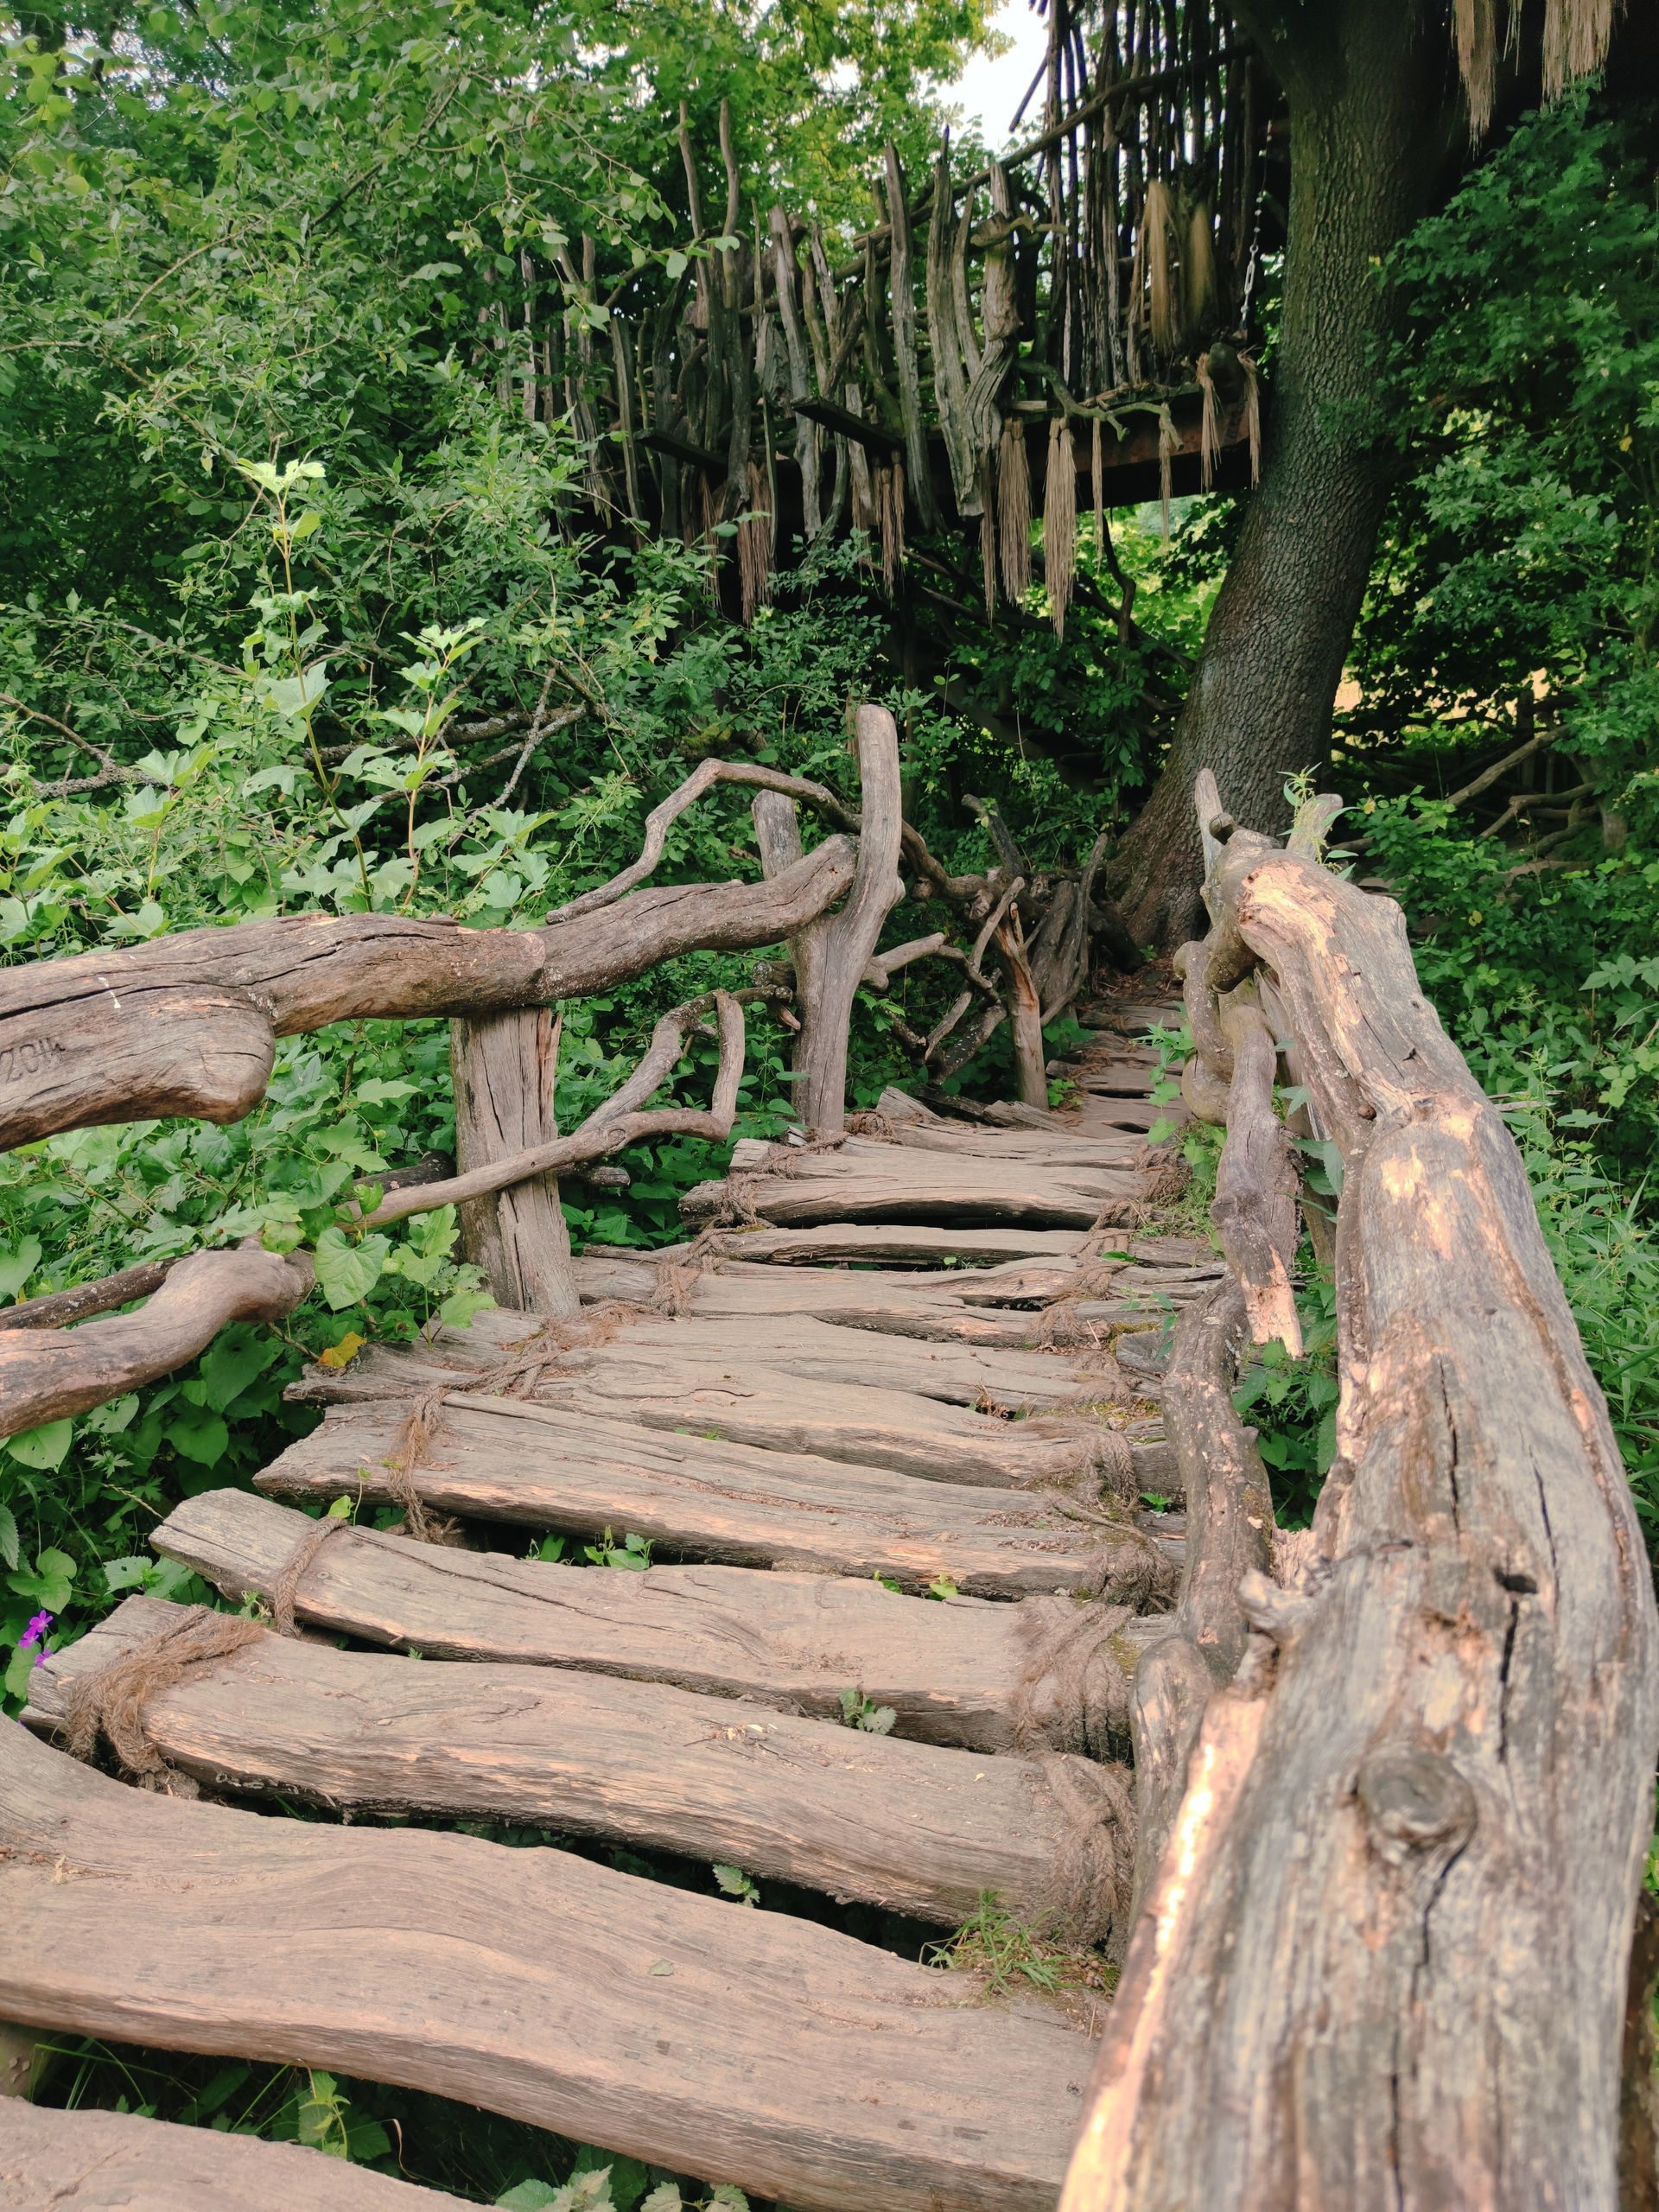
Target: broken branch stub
[[1401, 1885]]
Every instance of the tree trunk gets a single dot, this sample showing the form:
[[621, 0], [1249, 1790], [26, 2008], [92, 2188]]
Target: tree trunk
[[1372, 127]]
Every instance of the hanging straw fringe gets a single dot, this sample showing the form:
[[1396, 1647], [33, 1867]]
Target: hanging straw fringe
[[1169, 444], [1252, 416], [1475, 24], [1060, 520], [1013, 511], [1210, 437], [1157, 227], [1577, 33], [1198, 286], [1097, 469]]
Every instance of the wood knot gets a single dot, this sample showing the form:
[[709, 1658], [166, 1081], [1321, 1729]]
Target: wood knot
[[1414, 1800]]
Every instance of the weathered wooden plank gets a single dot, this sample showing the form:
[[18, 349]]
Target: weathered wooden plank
[[952, 1672], [740, 2045], [800, 1344], [89, 2161], [879, 1243], [1028, 1147], [496, 1459], [913, 1828], [862, 1180]]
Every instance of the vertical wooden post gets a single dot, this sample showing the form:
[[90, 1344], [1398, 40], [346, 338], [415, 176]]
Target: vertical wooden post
[[830, 954], [504, 1066]]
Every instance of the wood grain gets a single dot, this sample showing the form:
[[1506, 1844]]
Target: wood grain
[[864, 1180], [911, 1826], [741, 2045], [495, 1459], [187, 1023], [89, 2161], [952, 1671], [47, 1374], [1422, 1821]]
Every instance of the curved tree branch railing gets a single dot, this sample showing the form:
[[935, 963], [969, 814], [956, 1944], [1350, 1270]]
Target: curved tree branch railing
[[1396, 1804]]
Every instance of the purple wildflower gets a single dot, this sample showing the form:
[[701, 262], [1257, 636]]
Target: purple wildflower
[[34, 1636]]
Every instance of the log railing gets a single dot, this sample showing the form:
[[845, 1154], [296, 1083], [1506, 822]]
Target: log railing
[[188, 1024], [1395, 1803]]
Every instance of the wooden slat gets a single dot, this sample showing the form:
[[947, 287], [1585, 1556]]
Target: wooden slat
[[759, 1342], [889, 1244], [495, 1459], [90, 2161], [793, 1642], [911, 1826], [862, 1180], [735, 2044], [728, 1399]]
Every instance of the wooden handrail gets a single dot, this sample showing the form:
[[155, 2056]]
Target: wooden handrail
[[1382, 1958]]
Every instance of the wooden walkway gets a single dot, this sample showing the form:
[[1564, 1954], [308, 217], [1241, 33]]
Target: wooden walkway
[[889, 1387]]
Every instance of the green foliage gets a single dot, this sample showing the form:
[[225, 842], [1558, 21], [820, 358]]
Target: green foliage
[[858, 1711], [1292, 1404]]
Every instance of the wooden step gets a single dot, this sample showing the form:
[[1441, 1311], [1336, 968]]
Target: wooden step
[[958, 1672], [1128, 1114], [838, 1241], [1027, 1147], [913, 1828], [89, 2161], [863, 1180], [726, 1397], [740, 2045], [497, 1459], [757, 1342]]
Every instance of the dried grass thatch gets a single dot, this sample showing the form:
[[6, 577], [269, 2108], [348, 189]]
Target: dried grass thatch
[[1060, 521], [1252, 416], [1158, 230], [1169, 444], [1199, 288], [987, 533], [1210, 433], [1013, 510], [1577, 34]]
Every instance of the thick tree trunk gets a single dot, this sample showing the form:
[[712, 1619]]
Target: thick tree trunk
[[1370, 128]]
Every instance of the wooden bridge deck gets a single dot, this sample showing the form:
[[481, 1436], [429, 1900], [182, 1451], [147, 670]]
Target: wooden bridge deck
[[927, 1356]]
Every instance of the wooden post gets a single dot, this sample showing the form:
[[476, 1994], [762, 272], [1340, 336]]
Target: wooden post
[[830, 952], [504, 1066]]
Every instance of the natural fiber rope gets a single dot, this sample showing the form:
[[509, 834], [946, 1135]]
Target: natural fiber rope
[[1090, 1877], [1071, 1694], [517, 1374], [110, 1702], [678, 1279], [285, 1588]]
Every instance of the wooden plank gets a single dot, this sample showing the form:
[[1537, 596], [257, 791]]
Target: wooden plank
[[707, 1378], [1028, 1147], [913, 1828], [739, 2046], [89, 2161], [802, 1344], [879, 1243], [495, 1459], [860, 1181], [793, 1642]]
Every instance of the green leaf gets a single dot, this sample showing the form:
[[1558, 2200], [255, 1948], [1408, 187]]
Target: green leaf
[[229, 1366], [50, 1584], [199, 1435], [43, 1447], [17, 1266], [528, 2196], [8, 1536], [349, 1267]]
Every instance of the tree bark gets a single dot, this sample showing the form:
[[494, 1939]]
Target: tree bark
[[1372, 127], [504, 1066]]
